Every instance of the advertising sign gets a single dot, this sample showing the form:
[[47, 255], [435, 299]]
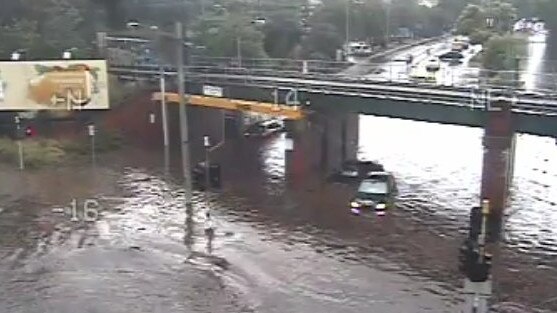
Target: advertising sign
[[53, 85]]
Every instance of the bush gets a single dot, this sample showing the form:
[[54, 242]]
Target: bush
[[41, 152], [37, 152]]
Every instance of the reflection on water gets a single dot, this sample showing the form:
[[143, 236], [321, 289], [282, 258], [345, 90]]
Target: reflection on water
[[536, 54], [438, 168]]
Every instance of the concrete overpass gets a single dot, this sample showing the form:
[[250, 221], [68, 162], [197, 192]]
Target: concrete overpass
[[532, 113]]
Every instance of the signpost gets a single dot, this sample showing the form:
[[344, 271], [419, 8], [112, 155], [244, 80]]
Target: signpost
[[207, 145], [19, 135], [92, 132]]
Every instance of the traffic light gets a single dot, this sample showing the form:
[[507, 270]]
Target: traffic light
[[29, 131], [476, 220]]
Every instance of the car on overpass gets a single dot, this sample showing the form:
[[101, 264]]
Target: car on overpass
[[376, 193]]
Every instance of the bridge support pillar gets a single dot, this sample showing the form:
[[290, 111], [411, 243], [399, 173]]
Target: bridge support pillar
[[298, 153], [233, 124], [498, 159], [340, 140], [205, 122]]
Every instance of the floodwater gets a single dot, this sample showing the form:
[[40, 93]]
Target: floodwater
[[279, 246], [439, 166]]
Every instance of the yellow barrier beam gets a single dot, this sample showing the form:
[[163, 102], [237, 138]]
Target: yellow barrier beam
[[285, 111]]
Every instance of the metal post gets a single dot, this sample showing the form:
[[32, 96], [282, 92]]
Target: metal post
[[19, 143], [164, 112], [347, 20], [239, 51], [207, 145], [388, 22], [481, 238], [184, 132], [92, 132]]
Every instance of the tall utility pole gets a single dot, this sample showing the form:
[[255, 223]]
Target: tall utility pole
[[239, 50], [388, 22], [184, 132], [347, 20]]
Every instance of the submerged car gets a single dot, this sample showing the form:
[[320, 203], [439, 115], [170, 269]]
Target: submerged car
[[376, 193], [264, 128], [354, 170]]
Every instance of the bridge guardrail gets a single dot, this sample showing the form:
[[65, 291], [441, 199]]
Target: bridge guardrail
[[535, 103]]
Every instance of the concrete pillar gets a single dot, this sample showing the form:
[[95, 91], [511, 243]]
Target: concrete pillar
[[297, 154], [205, 122], [497, 167], [351, 136], [340, 138], [234, 124]]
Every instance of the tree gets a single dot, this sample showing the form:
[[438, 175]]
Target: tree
[[501, 53], [322, 42], [480, 22], [282, 35], [223, 36], [472, 19]]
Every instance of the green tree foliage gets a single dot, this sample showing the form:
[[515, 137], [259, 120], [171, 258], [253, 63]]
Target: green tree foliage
[[473, 20], [221, 37], [502, 52], [282, 34], [45, 28]]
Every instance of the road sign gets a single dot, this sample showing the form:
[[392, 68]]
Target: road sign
[[292, 97], [91, 130], [212, 91]]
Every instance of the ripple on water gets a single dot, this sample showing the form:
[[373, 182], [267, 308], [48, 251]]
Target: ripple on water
[[438, 169]]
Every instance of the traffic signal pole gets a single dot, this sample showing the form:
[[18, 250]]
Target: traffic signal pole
[[19, 136], [476, 263], [184, 132]]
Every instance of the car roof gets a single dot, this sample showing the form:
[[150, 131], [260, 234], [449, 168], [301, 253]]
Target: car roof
[[272, 121], [383, 174]]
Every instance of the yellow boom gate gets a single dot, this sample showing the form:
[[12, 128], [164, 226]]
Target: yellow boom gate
[[285, 111]]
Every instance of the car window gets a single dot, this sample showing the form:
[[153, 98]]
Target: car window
[[371, 186]]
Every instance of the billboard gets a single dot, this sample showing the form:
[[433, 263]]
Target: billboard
[[53, 85]]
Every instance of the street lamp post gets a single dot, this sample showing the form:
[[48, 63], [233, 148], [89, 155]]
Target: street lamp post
[[207, 145], [347, 21], [16, 56], [388, 23], [239, 50], [178, 38]]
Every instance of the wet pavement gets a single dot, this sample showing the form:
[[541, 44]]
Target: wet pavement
[[280, 245], [398, 70]]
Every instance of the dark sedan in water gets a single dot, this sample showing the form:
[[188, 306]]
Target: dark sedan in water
[[376, 193]]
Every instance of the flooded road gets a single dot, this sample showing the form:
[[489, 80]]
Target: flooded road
[[439, 173], [280, 245], [143, 255]]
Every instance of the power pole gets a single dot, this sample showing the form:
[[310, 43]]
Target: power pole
[[388, 23], [475, 262], [347, 20], [184, 132]]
